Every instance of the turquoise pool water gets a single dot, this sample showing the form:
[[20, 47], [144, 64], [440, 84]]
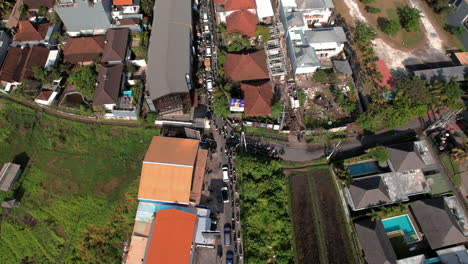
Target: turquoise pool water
[[433, 260], [399, 223], [363, 168]]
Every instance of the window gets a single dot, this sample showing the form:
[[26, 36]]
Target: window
[[465, 22]]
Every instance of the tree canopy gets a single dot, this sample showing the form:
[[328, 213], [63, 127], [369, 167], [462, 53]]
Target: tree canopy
[[85, 80], [409, 18], [391, 27]]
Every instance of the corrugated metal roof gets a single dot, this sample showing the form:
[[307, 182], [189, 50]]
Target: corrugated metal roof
[[180, 151]]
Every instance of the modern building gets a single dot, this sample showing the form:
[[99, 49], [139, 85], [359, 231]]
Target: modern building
[[173, 171], [459, 18], [258, 96], [170, 59], [83, 50], [246, 67], [327, 42], [84, 17], [5, 41], [125, 9], [342, 67], [265, 12], [315, 13], [9, 174]]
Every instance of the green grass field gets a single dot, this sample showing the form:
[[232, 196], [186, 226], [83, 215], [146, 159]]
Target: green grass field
[[77, 190]]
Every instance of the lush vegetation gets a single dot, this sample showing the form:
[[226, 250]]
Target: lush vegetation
[[85, 80], [324, 76], [372, 10], [264, 199], [441, 6], [363, 35], [221, 97], [77, 190], [391, 27], [367, 1], [263, 34], [409, 18], [346, 99], [141, 50], [414, 97], [147, 7], [379, 153], [5, 8]]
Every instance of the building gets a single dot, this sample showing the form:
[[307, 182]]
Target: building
[[437, 223], [459, 18], [34, 34], [303, 60], [342, 67], [462, 57], [34, 5], [84, 17], [265, 12], [224, 8], [258, 96], [314, 12], [246, 67], [374, 242], [116, 49], [83, 50], [170, 59], [124, 9], [109, 87], [9, 174], [411, 156], [327, 42], [458, 73], [173, 171], [387, 80], [368, 192], [48, 94], [19, 64], [5, 41], [242, 21]]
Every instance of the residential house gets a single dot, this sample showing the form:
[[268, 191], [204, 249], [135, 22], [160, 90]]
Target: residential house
[[131, 23], [437, 222], [265, 12], [315, 12], [116, 49], [303, 60], [9, 174], [34, 34], [246, 67], [342, 67], [458, 73], [109, 87], [83, 50], [258, 96], [169, 71], [411, 156], [84, 17], [242, 21], [123, 9], [19, 64], [173, 171], [327, 42], [368, 192], [224, 8], [33, 7], [374, 242], [459, 18], [462, 58], [5, 41], [48, 93]]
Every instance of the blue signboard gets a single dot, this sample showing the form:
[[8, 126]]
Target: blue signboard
[[236, 105]]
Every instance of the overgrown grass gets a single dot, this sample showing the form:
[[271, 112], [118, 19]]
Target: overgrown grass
[[77, 189], [452, 168]]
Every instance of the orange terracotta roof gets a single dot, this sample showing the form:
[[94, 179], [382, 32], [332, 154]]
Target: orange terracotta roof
[[172, 237], [462, 57], [387, 79], [242, 21], [171, 150], [28, 32], [123, 2], [83, 49], [246, 67], [44, 95], [257, 96], [232, 5], [199, 176]]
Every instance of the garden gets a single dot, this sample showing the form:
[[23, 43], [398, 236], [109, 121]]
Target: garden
[[77, 191]]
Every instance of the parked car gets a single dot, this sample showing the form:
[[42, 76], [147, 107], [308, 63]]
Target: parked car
[[208, 37], [229, 257], [225, 173], [208, 51], [227, 234], [209, 85], [206, 29], [225, 194], [205, 17]]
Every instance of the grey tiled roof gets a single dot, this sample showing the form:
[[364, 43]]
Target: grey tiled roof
[[312, 4], [404, 157], [368, 191], [446, 73], [342, 66], [331, 34], [374, 242], [306, 56]]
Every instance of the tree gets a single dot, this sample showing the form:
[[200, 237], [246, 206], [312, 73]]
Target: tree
[[5, 8], [372, 10], [42, 11], [23, 9], [85, 81], [262, 33], [44, 76], [391, 27], [276, 110], [363, 34], [147, 6], [409, 18], [55, 18], [379, 153], [459, 31], [239, 44]]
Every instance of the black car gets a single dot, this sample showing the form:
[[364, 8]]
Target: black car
[[227, 234], [208, 37], [229, 257]]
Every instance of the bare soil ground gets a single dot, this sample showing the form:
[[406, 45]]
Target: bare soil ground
[[305, 233]]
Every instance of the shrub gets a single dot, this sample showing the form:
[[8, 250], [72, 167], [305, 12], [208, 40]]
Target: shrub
[[379, 153], [367, 1], [459, 31], [372, 10], [391, 27], [409, 18]]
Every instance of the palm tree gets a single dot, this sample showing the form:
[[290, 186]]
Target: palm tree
[[5, 7]]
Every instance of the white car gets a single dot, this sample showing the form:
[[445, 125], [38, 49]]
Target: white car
[[208, 51], [225, 173], [209, 85], [205, 17], [207, 29]]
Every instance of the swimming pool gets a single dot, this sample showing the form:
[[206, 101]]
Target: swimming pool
[[402, 223], [363, 168]]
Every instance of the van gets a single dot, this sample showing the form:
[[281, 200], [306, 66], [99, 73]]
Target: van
[[227, 235], [208, 51], [225, 173], [209, 85], [205, 17]]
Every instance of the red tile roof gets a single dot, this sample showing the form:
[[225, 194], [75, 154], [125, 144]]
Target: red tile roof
[[243, 21], [36, 4], [232, 5], [19, 63], [387, 79], [83, 49], [172, 237], [28, 32], [44, 95], [257, 96], [123, 2], [246, 67]]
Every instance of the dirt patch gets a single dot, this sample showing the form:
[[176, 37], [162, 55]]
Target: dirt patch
[[59, 231], [29, 220], [108, 187], [331, 218], [307, 247], [52, 161]]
